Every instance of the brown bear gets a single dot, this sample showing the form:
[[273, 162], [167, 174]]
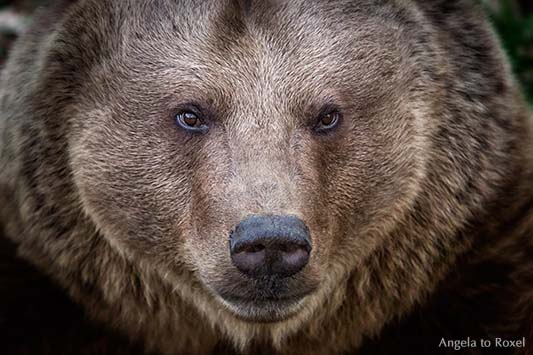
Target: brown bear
[[264, 177]]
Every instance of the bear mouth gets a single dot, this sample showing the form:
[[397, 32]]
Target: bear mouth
[[265, 310], [266, 300]]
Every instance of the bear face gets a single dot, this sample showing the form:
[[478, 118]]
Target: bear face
[[258, 101], [289, 174]]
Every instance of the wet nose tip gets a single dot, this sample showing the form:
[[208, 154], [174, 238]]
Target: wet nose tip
[[270, 245]]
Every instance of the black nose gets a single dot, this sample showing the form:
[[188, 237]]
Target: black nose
[[270, 245]]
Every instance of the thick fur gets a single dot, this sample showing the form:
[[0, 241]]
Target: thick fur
[[419, 204]]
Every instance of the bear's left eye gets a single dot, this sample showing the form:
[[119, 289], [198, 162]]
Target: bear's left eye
[[190, 121], [328, 121]]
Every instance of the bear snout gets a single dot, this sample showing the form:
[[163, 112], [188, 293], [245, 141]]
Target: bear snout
[[270, 246]]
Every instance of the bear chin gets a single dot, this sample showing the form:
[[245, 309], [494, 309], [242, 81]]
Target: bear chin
[[266, 311]]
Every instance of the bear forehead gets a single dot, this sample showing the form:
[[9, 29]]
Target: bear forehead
[[221, 30], [269, 47]]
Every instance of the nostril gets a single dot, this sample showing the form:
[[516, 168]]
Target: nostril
[[252, 248], [289, 248], [294, 256], [247, 248], [292, 261], [249, 260]]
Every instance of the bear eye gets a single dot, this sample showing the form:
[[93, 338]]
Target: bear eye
[[190, 121], [328, 121]]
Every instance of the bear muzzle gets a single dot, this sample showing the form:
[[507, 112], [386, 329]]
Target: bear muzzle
[[268, 279], [262, 246]]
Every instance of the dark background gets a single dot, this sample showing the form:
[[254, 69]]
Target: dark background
[[513, 20]]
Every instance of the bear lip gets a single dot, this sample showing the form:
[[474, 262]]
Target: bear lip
[[267, 299], [265, 311]]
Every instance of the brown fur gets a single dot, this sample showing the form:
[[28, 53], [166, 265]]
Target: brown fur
[[419, 204]]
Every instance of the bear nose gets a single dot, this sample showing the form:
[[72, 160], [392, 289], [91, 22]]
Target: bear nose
[[270, 245]]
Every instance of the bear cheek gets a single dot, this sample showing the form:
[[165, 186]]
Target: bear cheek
[[363, 180], [141, 200]]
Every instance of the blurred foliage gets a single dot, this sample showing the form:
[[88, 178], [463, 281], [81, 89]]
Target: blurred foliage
[[21, 5], [513, 20]]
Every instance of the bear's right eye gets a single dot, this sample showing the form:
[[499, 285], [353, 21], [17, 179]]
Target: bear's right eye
[[190, 121], [328, 121]]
